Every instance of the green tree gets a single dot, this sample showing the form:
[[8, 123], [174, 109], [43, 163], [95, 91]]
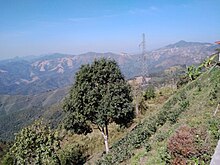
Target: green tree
[[99, 96], [35, 144]]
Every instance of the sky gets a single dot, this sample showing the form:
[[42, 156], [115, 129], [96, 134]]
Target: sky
[[37, 27]]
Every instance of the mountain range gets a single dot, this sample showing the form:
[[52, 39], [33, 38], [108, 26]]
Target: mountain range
[[34, 87], [34, 75]]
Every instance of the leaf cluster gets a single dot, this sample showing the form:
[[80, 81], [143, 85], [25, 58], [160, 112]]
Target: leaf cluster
[[149, 93], [100, 95], [35, 144]]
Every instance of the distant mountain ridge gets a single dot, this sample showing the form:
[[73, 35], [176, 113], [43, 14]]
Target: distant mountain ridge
[[40, 74], [34, 87]]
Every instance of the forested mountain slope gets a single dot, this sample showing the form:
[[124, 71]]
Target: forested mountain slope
[[17, 111]]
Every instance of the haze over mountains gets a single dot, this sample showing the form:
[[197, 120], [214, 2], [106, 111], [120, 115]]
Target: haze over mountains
[[30, 86], [40, 74]]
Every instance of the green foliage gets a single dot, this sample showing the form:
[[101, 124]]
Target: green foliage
[[147, 146], [100, 95], [139, 136], [213, 92], [35, 144], [73, 154], [161, 136], [4, 147], [199, 112], [149, 93], [214, 126], [22, 110], [142, 106], [165, 155], [7, 160], [173, 116], [199, 87], [193, 72], [208, 62]]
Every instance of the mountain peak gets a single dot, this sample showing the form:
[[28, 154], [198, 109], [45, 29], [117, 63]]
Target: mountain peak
[[183, 43]]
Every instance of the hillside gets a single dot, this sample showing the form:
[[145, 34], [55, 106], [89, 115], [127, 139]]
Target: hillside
[[34, 75], [17, 111], [155, 137], [183, 130]]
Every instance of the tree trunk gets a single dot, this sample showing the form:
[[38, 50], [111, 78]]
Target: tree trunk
[[105, 136], [219, 57], [106, 144], [136, 108]]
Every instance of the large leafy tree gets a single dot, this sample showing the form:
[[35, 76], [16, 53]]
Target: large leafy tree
[[35, 144], [99, 96]]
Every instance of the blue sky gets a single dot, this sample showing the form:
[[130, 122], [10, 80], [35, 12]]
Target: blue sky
[[33, 27]]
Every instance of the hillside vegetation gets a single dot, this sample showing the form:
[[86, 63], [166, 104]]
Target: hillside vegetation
[[18, 111], [178, 126], [183, 131]]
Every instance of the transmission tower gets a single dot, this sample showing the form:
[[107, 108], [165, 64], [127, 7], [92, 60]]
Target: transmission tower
[[144, 69]]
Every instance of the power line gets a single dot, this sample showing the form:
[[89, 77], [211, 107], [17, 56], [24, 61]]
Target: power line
[[144, 69]]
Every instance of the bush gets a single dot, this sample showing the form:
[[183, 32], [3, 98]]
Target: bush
[[7, 160], [147, 146], [182, 143], [214, 126], [182, 81], [161, 136], [164, 155], [73, 154], [189, 144], [149, 93], [179, 161], [35, 144]]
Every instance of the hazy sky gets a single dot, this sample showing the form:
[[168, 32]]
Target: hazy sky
[[32, 27]]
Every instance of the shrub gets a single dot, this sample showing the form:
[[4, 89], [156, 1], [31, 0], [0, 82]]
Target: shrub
[[165, 155], [179, 161], [161, 136], [189, 144], [182, 81], [182, 142], [213, 93], [147, 146], [73, 154], [149, 93], [7, 160], [214, 126], [35, 144]]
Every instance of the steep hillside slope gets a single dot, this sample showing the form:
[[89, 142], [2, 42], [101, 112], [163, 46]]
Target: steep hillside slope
[[158, 139]]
